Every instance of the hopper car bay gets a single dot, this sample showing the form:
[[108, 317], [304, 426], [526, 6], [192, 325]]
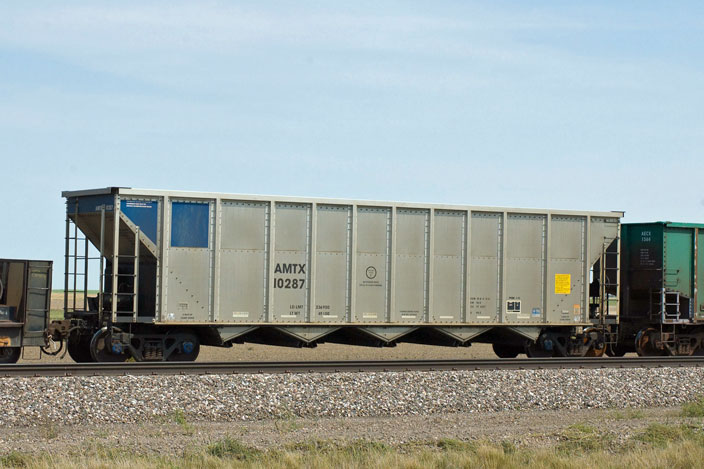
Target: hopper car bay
[[178, 270]]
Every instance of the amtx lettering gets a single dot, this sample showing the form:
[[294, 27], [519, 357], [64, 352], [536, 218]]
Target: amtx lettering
[[290, 269]]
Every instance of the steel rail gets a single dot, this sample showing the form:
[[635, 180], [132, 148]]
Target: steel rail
[[220, 368]]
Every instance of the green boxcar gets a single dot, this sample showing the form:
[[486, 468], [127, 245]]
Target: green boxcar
[[662, 275], [662, 258]]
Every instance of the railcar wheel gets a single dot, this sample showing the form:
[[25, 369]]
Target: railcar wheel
[[506, 351], [645, 347], [597, 348], [78, 348], [536, 351], [187, 349], [101, 350], [10, 354]]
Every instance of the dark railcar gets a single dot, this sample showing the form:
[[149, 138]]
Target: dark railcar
[[25, 295], [662, 310]]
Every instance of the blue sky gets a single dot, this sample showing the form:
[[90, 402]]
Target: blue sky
[[574, 105]]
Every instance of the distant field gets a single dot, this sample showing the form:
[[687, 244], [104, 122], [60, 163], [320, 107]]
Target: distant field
[[57, 299]]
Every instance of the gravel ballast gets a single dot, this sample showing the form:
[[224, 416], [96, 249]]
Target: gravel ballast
[[230, 398]]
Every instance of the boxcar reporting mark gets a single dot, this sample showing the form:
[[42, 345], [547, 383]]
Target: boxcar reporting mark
[[291, 269]]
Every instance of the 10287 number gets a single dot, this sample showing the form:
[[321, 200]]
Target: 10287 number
[[289, 283]]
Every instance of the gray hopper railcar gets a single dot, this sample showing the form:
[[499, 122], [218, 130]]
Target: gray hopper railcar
[[178, 270]]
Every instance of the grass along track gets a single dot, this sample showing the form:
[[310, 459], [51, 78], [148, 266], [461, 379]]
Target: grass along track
[[624, 439]]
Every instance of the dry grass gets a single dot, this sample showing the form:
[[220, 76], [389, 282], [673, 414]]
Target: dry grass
[[694, 409], [656, 447]]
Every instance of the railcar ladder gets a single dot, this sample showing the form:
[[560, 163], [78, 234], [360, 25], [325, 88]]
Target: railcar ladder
[[121, 316], [665, 306], [76, 253], [609, 278], [670, 302]]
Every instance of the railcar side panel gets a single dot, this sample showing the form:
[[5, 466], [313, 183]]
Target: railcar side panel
[[243, 266], [525, 268], [332, 263], [412, 246], [448, 286], [290, 280], [189, 262], [566, 270], [678, 259], [373, 261], [486, 267]]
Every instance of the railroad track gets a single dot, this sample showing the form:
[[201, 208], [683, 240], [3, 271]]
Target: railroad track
[[213, 368]]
